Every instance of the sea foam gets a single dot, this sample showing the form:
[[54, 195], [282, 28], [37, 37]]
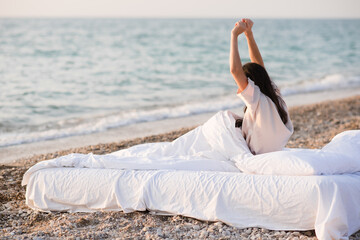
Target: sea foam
[[326, 83]]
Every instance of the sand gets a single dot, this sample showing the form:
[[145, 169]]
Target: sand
[[315, 125]]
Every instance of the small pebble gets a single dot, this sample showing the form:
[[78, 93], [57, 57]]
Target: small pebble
[[244, 235], [159, 232], [218, 224], [148, 235], [203, 234], [212, 236], [248, 231]]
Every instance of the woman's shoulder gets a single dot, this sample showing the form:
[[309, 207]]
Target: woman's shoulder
[[250, 95]]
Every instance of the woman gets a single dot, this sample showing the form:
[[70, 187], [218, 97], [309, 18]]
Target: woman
[[266, 125]]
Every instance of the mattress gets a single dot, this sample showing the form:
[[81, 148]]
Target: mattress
[[210, 174], [328, 204]]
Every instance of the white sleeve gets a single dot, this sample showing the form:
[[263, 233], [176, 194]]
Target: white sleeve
[[250, 96]]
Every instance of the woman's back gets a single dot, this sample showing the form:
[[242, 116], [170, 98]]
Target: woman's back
[[262, 126]]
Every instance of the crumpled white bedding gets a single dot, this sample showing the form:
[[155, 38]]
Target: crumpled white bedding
[[198, 175]]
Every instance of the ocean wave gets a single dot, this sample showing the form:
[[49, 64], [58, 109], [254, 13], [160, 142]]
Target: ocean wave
[[326, 83], [103, 123]]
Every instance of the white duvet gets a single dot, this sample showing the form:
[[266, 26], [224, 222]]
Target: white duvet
[[216, 153]]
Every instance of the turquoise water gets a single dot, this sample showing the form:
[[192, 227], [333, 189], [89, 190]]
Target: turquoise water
[[63, 77]]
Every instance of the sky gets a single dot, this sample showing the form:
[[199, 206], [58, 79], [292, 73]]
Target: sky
[[182, 8]]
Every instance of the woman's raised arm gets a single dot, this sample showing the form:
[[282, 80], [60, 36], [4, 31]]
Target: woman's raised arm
[[234, 60], [254, 52]]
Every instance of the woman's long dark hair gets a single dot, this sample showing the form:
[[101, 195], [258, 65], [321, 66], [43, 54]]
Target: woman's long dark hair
[[258, 74]]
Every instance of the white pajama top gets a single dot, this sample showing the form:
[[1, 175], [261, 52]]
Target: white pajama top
[[262, 127]]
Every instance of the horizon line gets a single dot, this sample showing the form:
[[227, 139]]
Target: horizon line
[[170, 17]]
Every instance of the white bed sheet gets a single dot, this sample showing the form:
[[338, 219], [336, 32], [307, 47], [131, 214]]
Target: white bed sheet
[[328, 204]]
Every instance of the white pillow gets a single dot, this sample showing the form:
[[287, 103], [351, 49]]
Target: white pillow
[[300, 162], [348, 143], [341, 155]]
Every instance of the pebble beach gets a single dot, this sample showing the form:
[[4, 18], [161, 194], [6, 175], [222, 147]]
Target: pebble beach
[[315, 125]]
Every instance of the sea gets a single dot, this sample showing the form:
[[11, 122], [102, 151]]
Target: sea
[[69, 77]]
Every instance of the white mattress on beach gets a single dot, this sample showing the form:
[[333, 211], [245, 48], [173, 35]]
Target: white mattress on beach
[[210, 174], [328, 204]]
